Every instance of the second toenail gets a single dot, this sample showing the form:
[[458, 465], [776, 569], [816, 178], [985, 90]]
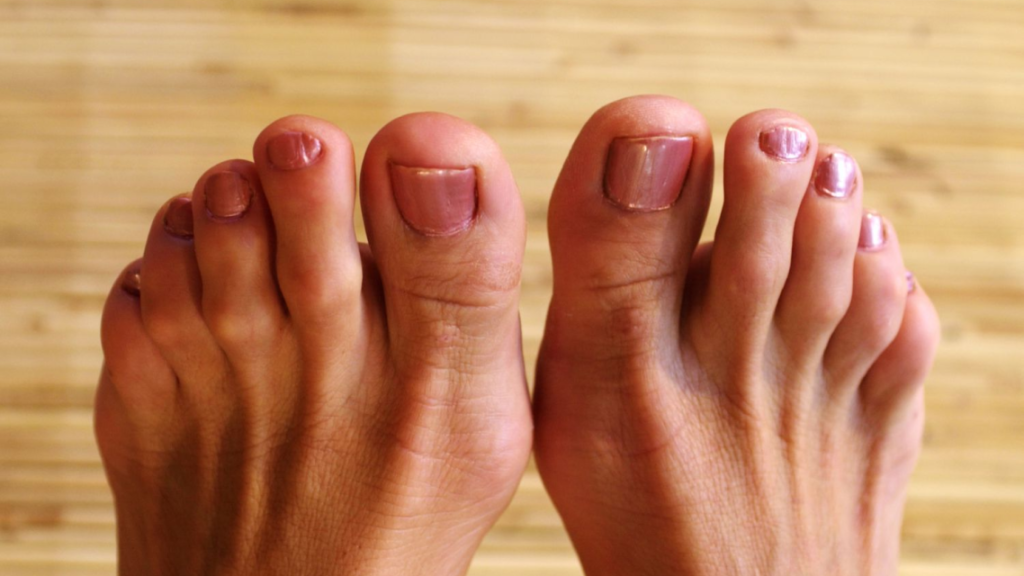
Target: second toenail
[[435, 201], [293, 150], [131, 282], [836, 175], [228, 195], [785, 143], [647, 174], [178, 218], [872, 231]]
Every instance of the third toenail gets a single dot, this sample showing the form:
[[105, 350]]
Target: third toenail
[[228, 195], [435, 201], [872, 231], [178, 218], [836, 175], [647, 174], [785, 143], [293, 150]]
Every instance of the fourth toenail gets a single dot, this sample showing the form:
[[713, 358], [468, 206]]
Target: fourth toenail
[[911, 282], [228, 195], [293, 150], [647, 174], [435, 201], [785, 143], [178, 218], [836, 175], [872, 231]]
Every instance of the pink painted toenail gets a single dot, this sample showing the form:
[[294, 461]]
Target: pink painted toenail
[[228, 195], [178, 218], [647, 174], [836, 175], [785, 143], [435, 201], [293, 150], [131, 282], [872, 231], [911, 282]]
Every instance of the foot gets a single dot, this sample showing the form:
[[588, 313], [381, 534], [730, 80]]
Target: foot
[[278, 399], [751, 406]]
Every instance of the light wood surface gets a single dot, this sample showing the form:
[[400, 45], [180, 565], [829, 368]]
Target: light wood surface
[[108, 107]]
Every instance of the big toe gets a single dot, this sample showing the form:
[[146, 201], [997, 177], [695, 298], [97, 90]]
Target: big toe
[[625, 217]]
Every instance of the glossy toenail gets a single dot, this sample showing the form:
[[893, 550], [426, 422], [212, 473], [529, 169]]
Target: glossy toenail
[[293, 150], [647, 174], [785, 143], [131, 282], [228, 195], [872, 231], [836, 175], [435, 201], [911, 282], [178, 218]]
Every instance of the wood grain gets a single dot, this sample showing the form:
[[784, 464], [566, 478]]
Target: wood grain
[[108, 107]]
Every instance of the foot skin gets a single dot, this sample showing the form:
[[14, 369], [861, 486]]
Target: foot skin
[[751, 406], [277, 399]]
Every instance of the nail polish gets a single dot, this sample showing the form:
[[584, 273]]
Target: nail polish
[[911, 282], [435, 201], [785, 143], [836, 175], [647, 174], [293, 151], [872, 231], [178, 218], [228, 195], [131, 282]]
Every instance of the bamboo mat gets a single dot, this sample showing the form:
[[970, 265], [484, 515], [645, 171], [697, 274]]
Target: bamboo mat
[[108, 107]]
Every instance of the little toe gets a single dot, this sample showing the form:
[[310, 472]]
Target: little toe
[[133, 364], [306, 169], [447, 230], [625, 217], [769, 159], [234, 250], [900, 371], [876, 307], [818, 289]]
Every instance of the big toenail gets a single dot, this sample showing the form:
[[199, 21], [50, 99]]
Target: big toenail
[[836, 175], [435, 201], [293, 150], [228, 195], [178, 218], [131, 282], [785, 143], [911, 282], [872, 231], [647, 174]]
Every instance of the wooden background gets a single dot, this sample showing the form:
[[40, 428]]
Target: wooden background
[[107, 107]]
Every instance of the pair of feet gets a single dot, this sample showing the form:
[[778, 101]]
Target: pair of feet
[[279, 399]]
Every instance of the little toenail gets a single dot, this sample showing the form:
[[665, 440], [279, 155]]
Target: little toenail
[[647, 174], [228, 195], [785, 143], [836, 175], [911, 282], [178, 218], [132, 282], [435, 201], [293, 150], [872, 231]]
